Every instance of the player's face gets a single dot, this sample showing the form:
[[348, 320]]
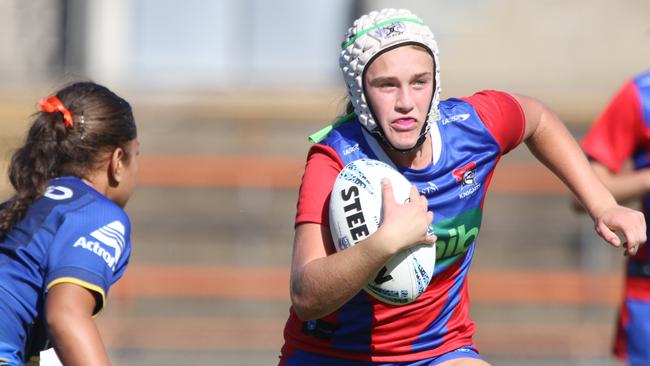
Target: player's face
[[399, 87], [129, 174]]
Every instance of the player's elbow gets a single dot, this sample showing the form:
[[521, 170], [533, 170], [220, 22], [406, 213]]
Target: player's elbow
[[304, 313], [306, 306]]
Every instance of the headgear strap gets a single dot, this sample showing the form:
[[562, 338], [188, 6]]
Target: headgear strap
[[53, 104]]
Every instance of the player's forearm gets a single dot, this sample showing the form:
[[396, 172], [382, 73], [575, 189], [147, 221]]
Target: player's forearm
[[324, 284], [553, 145]]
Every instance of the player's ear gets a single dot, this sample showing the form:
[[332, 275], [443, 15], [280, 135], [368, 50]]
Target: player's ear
[[116, 165]]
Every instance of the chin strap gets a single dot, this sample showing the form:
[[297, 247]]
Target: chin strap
[[378, 134]]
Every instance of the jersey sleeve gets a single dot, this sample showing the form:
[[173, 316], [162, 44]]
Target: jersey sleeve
[[502, 115], [91, 248], [615, 134], [322, 167]]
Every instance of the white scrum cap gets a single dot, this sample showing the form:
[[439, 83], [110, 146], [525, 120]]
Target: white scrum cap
[[372, 34]]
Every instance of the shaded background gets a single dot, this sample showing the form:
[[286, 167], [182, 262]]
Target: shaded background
[[225, 93]]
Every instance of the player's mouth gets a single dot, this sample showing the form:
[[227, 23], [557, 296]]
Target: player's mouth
[[404, 124]]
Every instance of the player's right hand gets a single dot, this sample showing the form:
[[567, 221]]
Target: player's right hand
[[628, 222], [405, 224]]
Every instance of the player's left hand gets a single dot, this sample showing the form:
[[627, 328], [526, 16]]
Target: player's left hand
[[629, 224]]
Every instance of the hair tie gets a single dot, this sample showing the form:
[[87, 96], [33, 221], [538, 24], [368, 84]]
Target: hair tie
[[53, 104]]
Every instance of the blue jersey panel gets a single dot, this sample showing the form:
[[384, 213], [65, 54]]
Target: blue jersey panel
[[72, 234], [642, 83], [439, 326], [638, 332], [641, 157]]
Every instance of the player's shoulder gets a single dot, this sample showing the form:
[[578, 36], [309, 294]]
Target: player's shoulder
[[76, 198], [478, 98], [102, 210], [483, 97], [484, 102], [346, 130], [476, 101]]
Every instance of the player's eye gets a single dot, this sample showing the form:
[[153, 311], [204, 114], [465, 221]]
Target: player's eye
[[421, 82]]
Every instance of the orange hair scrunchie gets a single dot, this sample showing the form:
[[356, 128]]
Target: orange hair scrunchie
[[53, 104]]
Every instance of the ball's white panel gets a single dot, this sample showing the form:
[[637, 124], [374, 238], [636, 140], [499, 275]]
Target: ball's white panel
[[356, 213]]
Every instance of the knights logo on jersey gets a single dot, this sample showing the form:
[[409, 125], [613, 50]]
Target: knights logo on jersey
[[466, 177], [108, 242]]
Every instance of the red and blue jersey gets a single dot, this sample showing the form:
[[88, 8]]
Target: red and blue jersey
[[622, 134], [468, 141], [71, 234]]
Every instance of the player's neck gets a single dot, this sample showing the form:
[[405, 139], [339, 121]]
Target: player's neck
[[419, 158]]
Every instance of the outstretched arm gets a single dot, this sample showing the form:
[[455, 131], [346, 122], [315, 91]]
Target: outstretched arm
[[69, 313], [552, 144]]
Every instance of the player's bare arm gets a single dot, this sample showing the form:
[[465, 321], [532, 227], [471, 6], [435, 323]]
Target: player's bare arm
[[550, 141], [69, 309]]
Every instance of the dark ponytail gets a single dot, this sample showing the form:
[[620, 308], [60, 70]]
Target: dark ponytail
[[102, 121]]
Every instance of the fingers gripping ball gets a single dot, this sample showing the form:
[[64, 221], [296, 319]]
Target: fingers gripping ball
[[356, 213]]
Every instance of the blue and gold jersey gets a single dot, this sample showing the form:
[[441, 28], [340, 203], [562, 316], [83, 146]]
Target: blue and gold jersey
[[72, 234]]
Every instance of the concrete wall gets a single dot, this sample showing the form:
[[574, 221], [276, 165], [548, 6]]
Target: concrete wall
[[571, 54]]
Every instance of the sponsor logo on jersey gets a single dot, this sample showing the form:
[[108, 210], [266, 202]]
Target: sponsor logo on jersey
[[456, 235], [455, 118], [351, 149], [429, 189], [58, 193], [108, 244]]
